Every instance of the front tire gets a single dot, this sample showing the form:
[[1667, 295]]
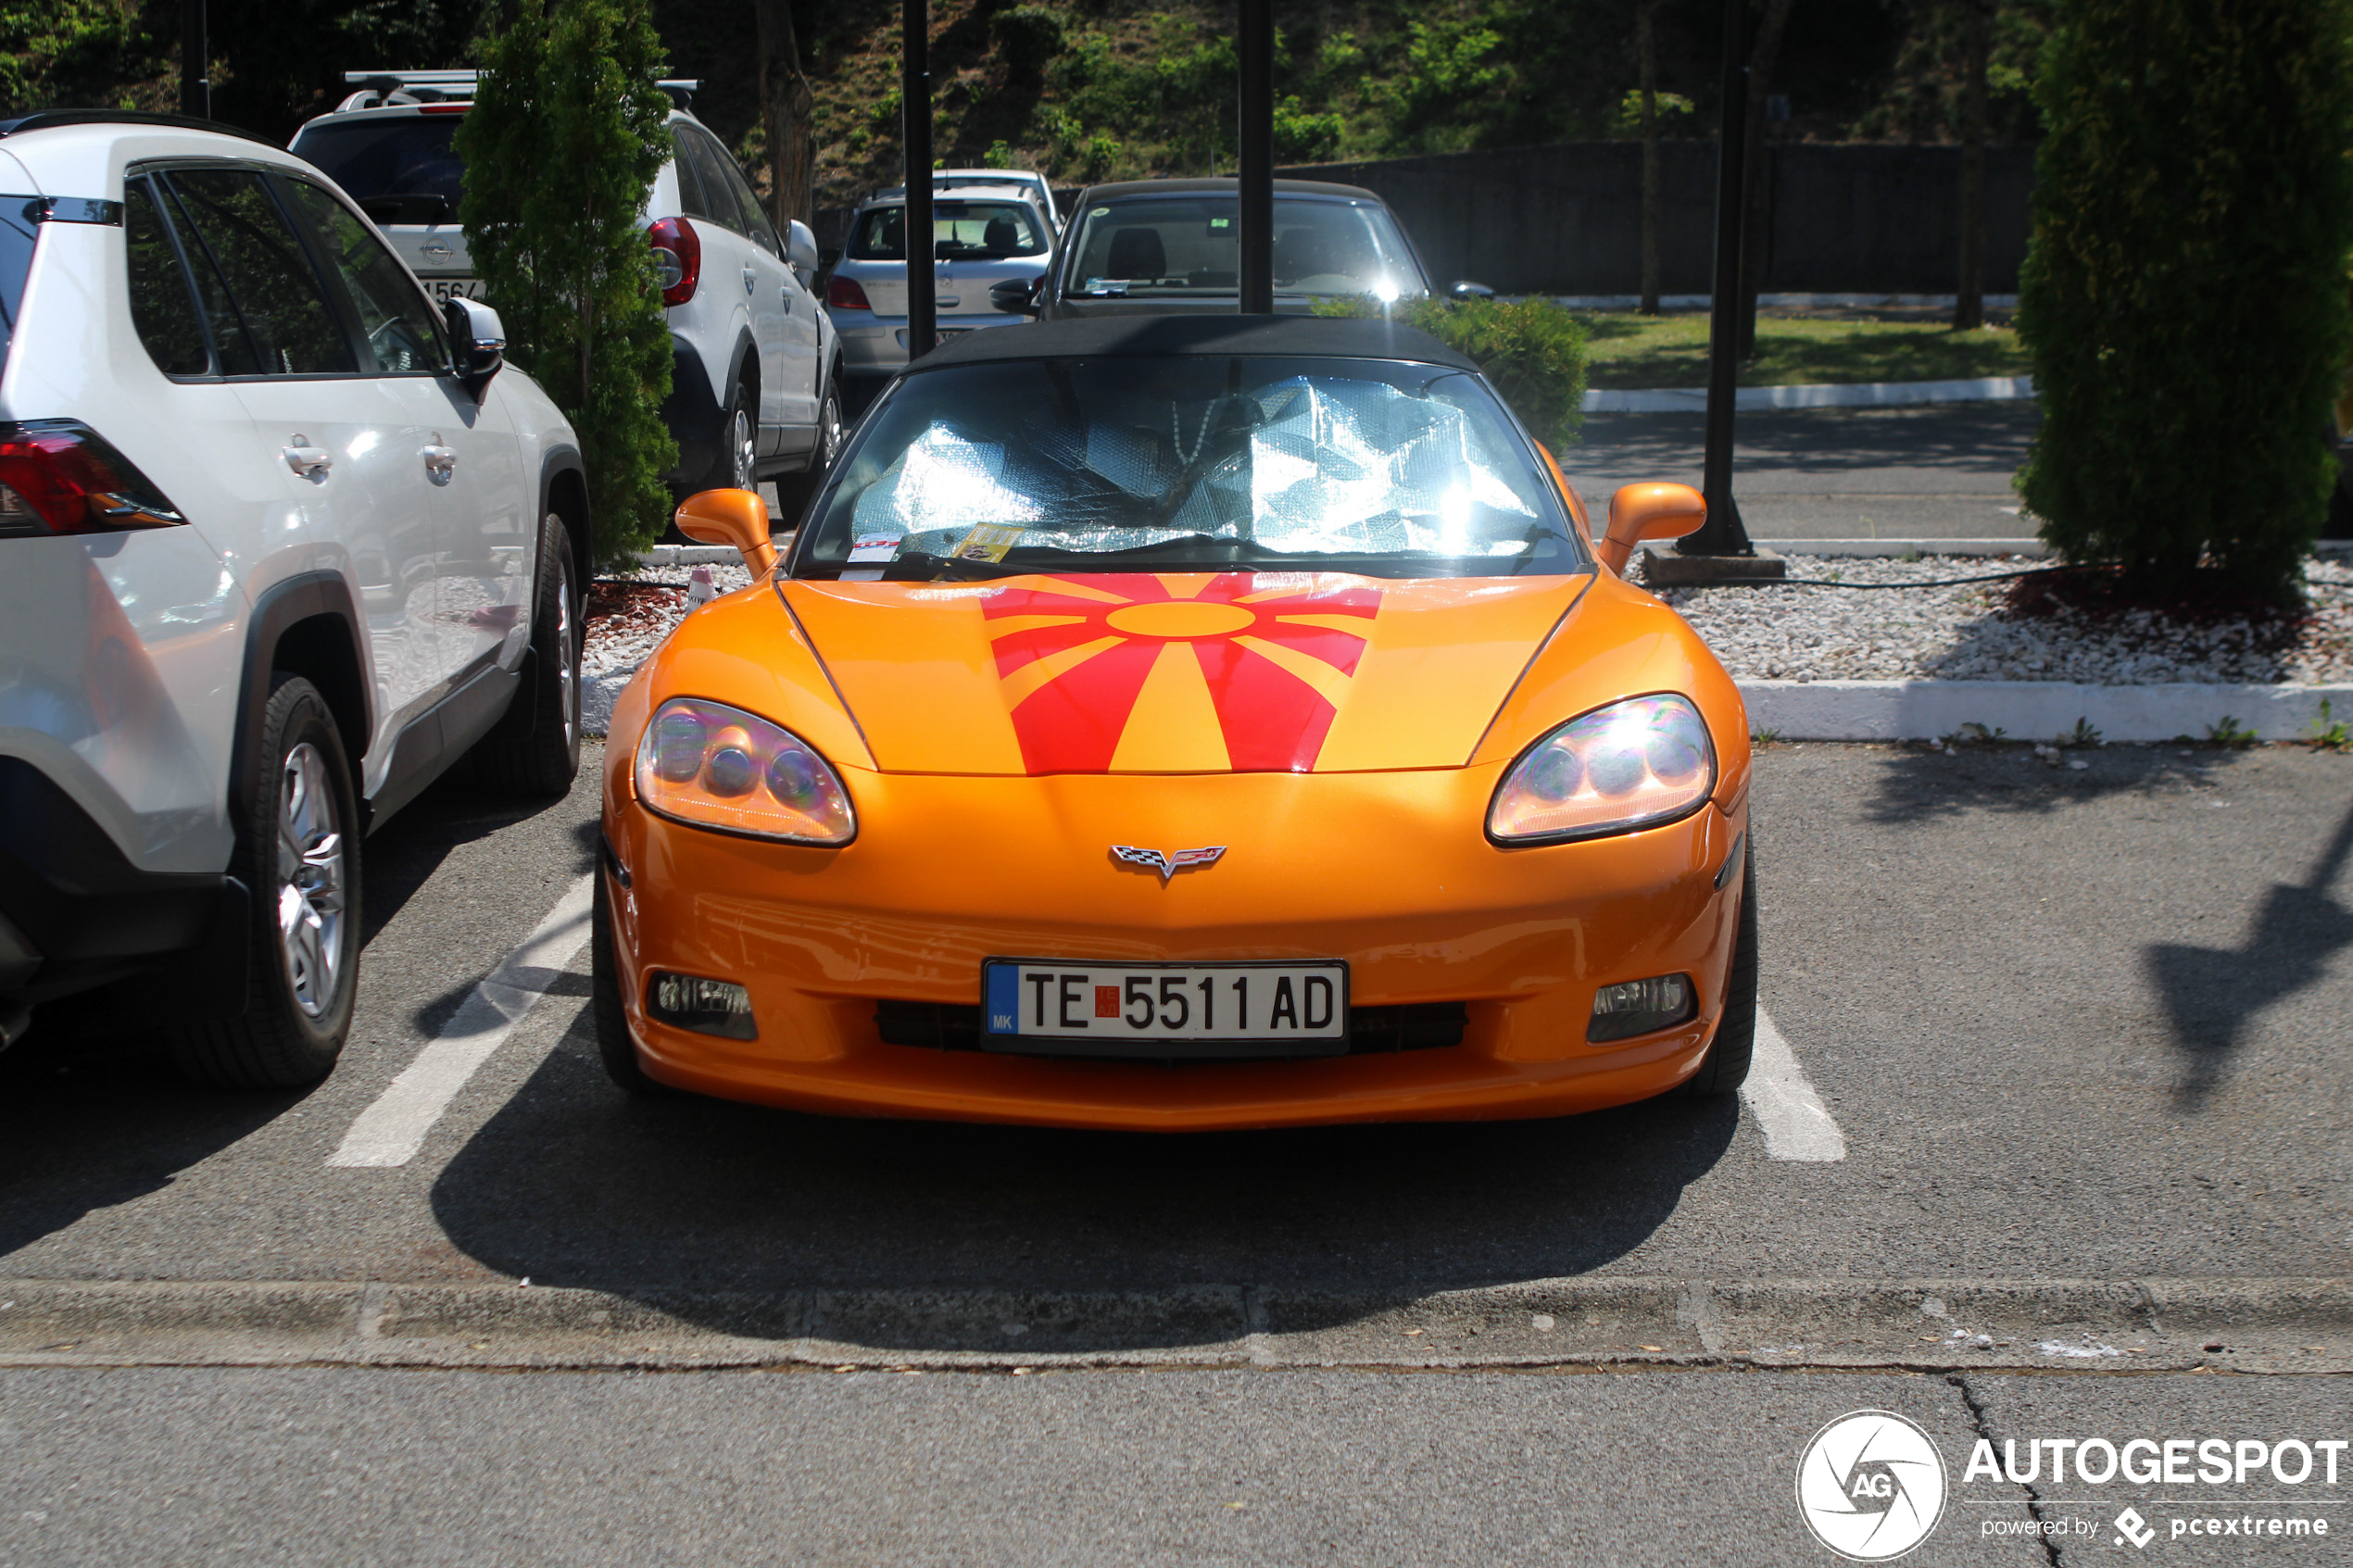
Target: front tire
[[299, 853], [739, 436], [534, 747], [795, 490], [615, 1048], [1724, 1068]]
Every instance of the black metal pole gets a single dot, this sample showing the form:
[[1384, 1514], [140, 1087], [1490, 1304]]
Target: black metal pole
[[1724, 534], [1256, 107], [195, 61], [915, 94]]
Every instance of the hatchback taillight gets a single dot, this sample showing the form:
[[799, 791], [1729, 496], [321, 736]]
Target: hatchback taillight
[[843, 293], [59, 476], [677, 258]]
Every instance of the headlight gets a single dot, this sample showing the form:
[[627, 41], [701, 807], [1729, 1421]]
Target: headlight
[[1630, 765], [718, 767]]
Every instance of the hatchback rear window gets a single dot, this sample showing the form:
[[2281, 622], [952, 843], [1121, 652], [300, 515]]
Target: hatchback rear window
[[962, 231], [401, 168], [19, 228]]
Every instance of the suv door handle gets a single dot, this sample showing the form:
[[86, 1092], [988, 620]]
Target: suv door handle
[[751, 280], [787, 294], [311, 462], [441, 462]]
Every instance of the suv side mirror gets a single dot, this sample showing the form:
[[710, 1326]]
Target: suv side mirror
[[1464, 289], [800, 250], [730, 517], [1018, 295], [1648, 511], [480, 338]]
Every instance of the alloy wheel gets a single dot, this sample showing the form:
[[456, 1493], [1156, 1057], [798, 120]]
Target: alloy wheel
[[739, 451], [310, 880]]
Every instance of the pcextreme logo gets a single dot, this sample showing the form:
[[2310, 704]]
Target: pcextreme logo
[[1871, 1485]]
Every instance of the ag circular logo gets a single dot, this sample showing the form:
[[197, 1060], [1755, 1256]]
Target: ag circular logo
[[1871, 1485]]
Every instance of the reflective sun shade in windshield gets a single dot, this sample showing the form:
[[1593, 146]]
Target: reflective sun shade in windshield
[[1191, 463]]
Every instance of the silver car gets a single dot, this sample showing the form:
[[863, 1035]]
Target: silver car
[[984, 236]]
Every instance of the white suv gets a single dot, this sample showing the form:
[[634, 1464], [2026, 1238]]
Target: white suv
[[753, 384], [278, 545]]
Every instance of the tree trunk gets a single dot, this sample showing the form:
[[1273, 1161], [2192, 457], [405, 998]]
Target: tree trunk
[[1756, 229], [1968, 303], [787, 108], [1646, 63]]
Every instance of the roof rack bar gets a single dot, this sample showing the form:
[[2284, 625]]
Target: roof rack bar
[[412, 78]]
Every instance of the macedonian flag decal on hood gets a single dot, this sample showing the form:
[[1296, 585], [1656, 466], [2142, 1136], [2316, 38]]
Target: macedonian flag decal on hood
[[1136, 672]]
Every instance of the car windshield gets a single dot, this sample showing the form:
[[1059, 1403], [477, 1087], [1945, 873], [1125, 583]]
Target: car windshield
[[401, 168], [1186, 463], [1176, 245], [962, 231]]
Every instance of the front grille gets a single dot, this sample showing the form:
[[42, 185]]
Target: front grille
[[1415, 1026]]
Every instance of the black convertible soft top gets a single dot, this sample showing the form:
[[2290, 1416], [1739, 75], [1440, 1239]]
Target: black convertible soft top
[[1193, 332]]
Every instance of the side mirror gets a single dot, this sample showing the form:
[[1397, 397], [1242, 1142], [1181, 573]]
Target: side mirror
[[1464, 289], [1648, 511], [730, 517], [1018, 295], [800, 250], [479, 338]]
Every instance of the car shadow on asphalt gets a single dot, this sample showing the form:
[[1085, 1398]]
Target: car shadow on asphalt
[[1918, 783], [570, 1184], [2213, 994]]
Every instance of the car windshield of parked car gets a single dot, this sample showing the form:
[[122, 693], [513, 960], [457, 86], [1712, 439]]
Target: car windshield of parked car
[[962, 231], [1189, 463], [1164, 246], [401, 168]]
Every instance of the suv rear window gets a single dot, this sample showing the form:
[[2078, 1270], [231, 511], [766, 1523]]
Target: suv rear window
[[962, 231], [401, 168], [17, 231]]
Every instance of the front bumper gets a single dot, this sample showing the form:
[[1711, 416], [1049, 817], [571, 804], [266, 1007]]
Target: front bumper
[[950, 871]]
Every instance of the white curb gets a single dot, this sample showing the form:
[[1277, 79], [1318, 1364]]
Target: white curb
[[2035, 710], [1869, 394], [1780, 301]]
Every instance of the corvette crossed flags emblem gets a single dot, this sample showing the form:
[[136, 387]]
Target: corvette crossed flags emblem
[[1167, 865]]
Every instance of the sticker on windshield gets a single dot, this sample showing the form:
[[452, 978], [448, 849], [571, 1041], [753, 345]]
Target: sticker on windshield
[[876, 546], [989, 542]]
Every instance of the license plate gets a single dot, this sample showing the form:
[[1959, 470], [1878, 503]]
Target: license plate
[[1064, 1008], [445, 288], [945, 333]]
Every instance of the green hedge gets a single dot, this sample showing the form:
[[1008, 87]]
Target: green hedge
[[1531, 350], [2184, 296]]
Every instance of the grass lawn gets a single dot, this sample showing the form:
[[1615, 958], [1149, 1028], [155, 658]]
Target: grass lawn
[[1630, 351]]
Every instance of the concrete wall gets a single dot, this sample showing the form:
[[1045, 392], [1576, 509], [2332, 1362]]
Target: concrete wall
[[1846, 217]]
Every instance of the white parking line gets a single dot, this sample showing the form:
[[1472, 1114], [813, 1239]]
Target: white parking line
[[392, 1130], [1796, 1124]]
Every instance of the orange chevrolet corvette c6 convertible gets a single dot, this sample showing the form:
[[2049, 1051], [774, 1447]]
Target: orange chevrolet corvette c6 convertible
[[1173, 724]]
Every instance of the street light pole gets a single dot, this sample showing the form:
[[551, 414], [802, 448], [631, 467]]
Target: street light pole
[[914, 101], [1723, 534], [195, 62], [1256, 136]]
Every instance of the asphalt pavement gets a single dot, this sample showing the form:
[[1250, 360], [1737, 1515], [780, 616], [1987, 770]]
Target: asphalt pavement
[[2080, 1031], [1935, 470]]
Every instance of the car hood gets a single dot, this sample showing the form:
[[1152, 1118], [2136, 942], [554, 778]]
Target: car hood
[[1177, 673]]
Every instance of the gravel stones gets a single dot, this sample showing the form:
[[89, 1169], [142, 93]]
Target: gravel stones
[[1967, 632]]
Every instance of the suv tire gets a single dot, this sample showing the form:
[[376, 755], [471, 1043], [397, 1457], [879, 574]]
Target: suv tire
[[739, 440], [534, 747], [1724, 1068], [795, 490], [299, 853]]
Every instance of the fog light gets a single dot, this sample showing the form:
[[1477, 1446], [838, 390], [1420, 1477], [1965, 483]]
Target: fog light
[[1639, 1006], [707, 1007]]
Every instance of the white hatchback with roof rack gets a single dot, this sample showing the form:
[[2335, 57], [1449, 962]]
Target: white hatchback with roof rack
[[753, 386]]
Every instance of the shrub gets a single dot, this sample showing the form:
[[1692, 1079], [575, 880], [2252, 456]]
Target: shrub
[[1532, 350], [565, 137], [2183, 297]]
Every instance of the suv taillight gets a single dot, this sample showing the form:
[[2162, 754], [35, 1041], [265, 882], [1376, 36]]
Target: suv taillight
[[59, 476], [677, 258], [843, 293]]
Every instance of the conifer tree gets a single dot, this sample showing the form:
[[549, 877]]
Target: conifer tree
[[565, 137], [2185, 294]]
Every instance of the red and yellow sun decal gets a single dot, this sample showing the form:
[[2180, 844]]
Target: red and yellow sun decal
[[1178, 673]]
